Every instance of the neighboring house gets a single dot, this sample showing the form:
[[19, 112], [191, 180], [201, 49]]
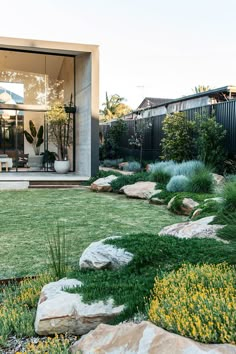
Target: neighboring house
[[50, 72], [222, 100], [149, 102], [202, 99]]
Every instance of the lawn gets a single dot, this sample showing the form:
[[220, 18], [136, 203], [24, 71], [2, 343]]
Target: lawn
[[27, 218]]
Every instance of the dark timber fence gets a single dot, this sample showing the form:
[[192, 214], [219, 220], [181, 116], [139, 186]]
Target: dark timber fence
[[225, 114]]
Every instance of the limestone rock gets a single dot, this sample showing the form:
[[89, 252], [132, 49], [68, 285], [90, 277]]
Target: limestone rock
[[61, 312], [196, 213], [103, 184], [188, 204], [143, 338], [216, 199], [142, 190], [218, 179], [99, 255], [194, 229], [169, 205]]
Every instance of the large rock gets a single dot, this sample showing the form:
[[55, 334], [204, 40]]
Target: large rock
[[143, 338], [103, 184], [142, 190], [186, 207], [218, 179], [61, 312], [99, 255], [192, 229]]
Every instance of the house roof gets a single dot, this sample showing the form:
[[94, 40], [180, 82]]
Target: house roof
[[221, 94], [148, 102]]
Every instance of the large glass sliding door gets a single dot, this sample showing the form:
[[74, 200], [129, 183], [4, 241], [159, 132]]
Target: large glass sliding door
[[30, 84]]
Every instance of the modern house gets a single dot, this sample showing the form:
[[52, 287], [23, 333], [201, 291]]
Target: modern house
[[34, 75]]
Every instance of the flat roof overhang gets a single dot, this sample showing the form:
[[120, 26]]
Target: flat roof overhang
[[49, 47]]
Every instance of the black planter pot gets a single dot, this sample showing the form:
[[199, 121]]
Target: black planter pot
[[69, 109]]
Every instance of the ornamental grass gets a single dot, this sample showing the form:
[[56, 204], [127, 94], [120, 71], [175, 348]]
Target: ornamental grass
[[198, 302]]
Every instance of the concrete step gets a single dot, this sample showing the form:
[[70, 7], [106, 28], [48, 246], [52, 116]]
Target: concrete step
[[54, 186]]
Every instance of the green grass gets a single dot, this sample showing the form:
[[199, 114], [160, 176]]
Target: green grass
[[27, 218], [153, 255]]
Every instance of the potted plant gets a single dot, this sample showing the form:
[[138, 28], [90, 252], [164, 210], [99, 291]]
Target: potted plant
[[35, 138], [60, 130]]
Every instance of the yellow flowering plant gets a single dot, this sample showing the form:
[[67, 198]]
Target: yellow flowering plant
[[198, 302]]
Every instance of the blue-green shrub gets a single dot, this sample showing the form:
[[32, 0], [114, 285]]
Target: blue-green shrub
[[164, 166], [132, 166], [112, 163], [188, 168], [178, 184]]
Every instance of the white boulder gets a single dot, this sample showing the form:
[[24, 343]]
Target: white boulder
[[61, 312], [103, 184], [142, 190], [192, 229], [142, 338], [99, 255]]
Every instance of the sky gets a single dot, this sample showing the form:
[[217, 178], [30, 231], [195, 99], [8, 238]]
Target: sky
[[148, 48]]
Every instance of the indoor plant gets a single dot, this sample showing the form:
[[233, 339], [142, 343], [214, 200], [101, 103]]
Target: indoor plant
[[60, 130], [35, 138]]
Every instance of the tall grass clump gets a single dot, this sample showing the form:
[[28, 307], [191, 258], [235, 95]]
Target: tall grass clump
[[197, 301], [177, 184], [201, 182], [58, 251], [229, 194]]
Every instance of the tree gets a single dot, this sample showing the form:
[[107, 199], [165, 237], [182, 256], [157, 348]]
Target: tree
[[178, 141], [137, 139], [201, 88], [114, 107], [110, 148]]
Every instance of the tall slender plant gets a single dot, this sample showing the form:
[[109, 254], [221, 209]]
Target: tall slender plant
[[58, 247]]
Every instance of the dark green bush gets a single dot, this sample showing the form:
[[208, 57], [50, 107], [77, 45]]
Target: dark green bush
[[129, 179], [210, 141], [178, 141], [201, 182]]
